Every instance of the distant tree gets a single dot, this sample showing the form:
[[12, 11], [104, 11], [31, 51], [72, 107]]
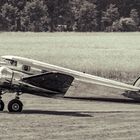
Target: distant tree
[[116, 26], [1, 23], [15, 4], [20, 4], [85, 17], [52, 13], [135, 16], [68, 15], [34, 17], [127, 24], [2, 2], [59, 14], [109, 16], [8, 17], [125, 6], [100, 6]]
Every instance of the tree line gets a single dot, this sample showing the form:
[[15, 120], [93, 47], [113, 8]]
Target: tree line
[[70, 15]]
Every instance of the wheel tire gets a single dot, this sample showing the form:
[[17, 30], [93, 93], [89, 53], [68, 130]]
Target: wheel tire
[[1, 105], [15, 105]]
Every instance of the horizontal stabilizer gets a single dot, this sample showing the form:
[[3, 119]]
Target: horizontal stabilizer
[[52, 81]]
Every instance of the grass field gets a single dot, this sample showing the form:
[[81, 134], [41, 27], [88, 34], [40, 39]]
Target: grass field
[[59, 119], [112, 55]]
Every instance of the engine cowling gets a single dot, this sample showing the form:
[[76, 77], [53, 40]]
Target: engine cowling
[[5, 72], [6, 76]]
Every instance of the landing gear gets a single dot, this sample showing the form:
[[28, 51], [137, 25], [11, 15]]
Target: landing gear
[[1, 102], [15, 105], [1, 105]]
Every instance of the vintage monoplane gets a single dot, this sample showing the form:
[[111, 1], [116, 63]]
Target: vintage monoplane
[[22, 75]]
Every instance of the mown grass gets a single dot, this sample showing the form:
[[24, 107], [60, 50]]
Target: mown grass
[[111, 55]]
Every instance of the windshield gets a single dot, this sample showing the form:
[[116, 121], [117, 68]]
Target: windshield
[[11, 62]]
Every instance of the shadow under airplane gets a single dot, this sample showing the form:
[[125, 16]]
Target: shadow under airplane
[[126, 101], [59, 113], [76, 113]]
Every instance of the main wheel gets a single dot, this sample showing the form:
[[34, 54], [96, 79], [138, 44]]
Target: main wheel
[[1, 105], [15, 105]]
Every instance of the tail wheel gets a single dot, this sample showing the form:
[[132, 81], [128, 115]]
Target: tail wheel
[[15, 105], [1, 105]]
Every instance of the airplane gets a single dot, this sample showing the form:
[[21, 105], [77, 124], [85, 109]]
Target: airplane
[[23, 75]]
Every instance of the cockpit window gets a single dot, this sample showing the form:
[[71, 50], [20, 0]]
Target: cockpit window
[[26, 68], [13, 63], [10, 62]]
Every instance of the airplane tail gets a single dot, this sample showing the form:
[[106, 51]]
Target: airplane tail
[[137, 82], [134, 94]]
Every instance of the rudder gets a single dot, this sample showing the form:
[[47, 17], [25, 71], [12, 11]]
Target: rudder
[[137, 82]]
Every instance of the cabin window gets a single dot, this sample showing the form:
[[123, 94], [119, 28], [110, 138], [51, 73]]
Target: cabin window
[[26, 68]]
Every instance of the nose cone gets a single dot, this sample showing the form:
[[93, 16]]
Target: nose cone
[[5, 77], [10, 57], [5, 72]]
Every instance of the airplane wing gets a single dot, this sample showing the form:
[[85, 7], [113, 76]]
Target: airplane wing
[[53, 81]]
